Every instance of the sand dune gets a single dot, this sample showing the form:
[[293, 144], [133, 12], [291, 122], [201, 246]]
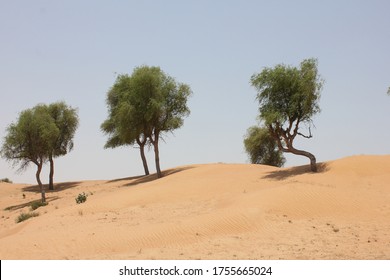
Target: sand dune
[[212, 211]]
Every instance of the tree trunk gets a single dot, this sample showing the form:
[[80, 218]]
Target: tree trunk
[[280, 133], [51, 174], [37, 175], [313, 165], [157, 155], [144, 162]]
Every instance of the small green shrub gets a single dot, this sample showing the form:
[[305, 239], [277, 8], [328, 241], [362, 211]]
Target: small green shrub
[[6, 180], [81, 198], [36, 204], [24, 216]]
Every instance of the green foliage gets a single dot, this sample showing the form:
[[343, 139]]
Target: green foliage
[[289, 97], [142, 106], [6, 180], [147, 100], [66, 120], [124, 124], [36, 204], [81, 198], [24, 216], [29, 139], [262, 148], [287, 94], [40, 133]]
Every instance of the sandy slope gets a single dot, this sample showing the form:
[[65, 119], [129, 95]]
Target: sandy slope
[[215, 211]]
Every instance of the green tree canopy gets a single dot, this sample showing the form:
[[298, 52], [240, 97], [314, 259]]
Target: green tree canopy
[[39, 135], [143, 106], [262, 148], [288, 97], [29, 140]]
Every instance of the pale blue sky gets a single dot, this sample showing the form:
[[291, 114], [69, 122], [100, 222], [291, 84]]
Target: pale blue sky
[[72, 50]]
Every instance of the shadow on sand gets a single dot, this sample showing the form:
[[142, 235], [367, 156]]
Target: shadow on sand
[[27, 204], [135, 180], [57, 187], [149, 178], [294, 171]]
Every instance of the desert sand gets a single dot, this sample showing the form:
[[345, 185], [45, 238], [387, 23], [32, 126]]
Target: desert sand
[[211, 211]]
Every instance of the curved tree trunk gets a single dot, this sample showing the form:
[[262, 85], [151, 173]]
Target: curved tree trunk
[[37, 175], [313, 165], [51, 174], [278, 134], [144, 162]]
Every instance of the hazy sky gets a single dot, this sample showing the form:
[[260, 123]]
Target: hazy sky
[[73, 50]]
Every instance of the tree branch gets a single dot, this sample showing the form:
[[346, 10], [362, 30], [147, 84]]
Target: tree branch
[[305, 136], [296, 127]]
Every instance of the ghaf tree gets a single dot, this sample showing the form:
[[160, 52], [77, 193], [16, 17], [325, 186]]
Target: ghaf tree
[[288, 98], [29, 140], [142, 107], [41, 134]]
